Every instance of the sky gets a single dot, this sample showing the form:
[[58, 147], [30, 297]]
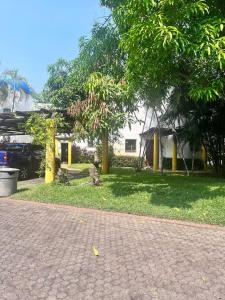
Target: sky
[[35, 33]]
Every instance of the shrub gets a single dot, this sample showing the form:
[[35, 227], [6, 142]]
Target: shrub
[[111, 153], [76, 153], [82, 155], [125, 161]]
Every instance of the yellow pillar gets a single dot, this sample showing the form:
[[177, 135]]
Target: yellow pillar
[[174, 158], [69, 154], [204, 158], [50, 152], [57, 148], [156, 152]]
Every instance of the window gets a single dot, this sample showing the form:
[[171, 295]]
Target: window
[[130, 145]]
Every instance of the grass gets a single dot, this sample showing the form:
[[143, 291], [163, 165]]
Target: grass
[[81, 167], [195, 198]]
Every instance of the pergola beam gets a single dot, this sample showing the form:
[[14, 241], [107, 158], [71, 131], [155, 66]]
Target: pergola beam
[[13, 123]]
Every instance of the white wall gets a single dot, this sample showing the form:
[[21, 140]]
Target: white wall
[[135, 131], [21, 139], [168, 149]]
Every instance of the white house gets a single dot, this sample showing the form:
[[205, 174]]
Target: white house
[[139, 139]]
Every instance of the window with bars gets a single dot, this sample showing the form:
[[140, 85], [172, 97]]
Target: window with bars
[[130, 145]]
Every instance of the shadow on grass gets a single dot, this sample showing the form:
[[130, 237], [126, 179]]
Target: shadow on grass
[[166, 190], [21, 190]]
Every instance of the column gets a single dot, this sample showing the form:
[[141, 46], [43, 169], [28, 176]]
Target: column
[[57, 143], [50, 151], [156, 152], [174, 158], [69, 154]]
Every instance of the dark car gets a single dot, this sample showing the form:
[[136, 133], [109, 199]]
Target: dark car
[[26, 157]]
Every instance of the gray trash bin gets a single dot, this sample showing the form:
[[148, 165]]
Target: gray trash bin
[[8, 181]]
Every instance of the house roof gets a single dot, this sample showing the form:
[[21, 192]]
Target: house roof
[[150, 132]]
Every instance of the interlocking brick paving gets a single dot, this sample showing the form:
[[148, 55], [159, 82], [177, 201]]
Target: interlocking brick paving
[[46, 252]]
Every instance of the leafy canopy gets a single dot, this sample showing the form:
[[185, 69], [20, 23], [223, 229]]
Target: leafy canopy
[[36, 126], [174, 42], [98, 53], [104, 110]]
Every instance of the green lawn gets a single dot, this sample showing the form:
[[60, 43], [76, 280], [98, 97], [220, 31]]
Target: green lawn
[[200, 199], [81, 167]]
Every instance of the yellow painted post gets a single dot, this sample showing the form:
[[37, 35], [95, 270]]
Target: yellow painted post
[[57, 148], [204, 158], [69, 154], [156, 152], [50, 152], [174, 158]]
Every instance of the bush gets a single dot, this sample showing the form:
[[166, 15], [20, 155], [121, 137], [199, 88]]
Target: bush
[[167, 164], [82, 155], [111, 153], [76, 153], [125, 161]]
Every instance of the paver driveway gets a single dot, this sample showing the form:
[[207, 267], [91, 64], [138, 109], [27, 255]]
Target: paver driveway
[[46, 252]]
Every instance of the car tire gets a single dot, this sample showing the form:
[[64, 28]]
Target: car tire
[[24, 173]]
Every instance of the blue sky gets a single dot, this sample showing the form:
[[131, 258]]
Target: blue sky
[[35, 33]]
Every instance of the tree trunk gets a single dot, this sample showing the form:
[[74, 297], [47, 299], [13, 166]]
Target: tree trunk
[[105, 153], [193, 160], [160, 142]]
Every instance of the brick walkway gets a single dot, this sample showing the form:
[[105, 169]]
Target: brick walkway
[[46, 253]]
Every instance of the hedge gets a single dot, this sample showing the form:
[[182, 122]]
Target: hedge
[[82, 155], [125, 161]]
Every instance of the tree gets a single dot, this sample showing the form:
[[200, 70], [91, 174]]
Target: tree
[[103, 112], [112, 3], [177, 48], [58, 90], [92, 86], [98, 53], [172, 43]]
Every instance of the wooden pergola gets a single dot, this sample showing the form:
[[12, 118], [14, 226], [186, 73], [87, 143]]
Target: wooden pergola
[[13, 123]]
